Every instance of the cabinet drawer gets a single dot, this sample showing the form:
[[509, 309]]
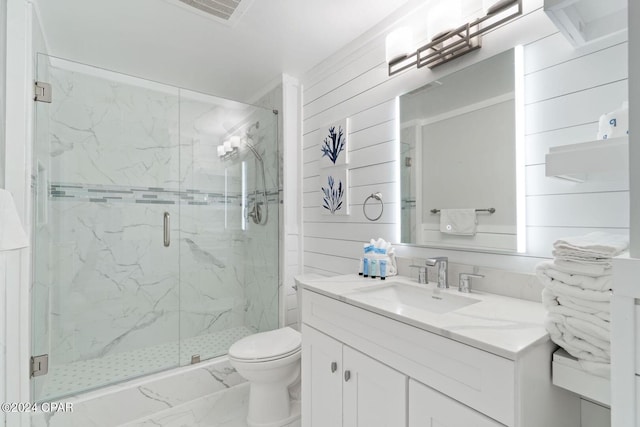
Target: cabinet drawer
[[427, 407], [481, 380]]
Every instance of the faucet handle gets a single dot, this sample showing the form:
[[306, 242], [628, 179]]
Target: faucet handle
[[422, 273], [464, 282], [431, 262]]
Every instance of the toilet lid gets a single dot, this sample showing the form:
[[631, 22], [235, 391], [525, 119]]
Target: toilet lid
[[267, 345]]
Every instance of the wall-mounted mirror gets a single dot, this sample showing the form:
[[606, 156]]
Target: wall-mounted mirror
[[457, 151]]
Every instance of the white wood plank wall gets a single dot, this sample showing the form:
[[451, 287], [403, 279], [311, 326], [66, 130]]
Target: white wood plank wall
[[566, 91]]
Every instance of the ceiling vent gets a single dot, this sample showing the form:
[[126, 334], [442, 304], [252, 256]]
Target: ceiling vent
[[225, 11]]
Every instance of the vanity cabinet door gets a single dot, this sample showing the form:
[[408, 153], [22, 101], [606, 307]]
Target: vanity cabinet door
[[429, 408], [374, 395], [321, 379]]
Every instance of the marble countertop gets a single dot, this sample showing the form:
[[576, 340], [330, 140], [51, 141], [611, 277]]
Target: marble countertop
[[500, 325]]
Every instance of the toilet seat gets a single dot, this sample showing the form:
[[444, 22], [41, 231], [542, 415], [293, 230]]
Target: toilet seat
[[267, 346]]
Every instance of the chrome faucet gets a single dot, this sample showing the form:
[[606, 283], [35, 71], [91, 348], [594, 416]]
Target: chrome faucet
[[441, 264], [464, 284]]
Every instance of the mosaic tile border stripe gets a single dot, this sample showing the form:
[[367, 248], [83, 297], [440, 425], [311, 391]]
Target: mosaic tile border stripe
[[147, 195]]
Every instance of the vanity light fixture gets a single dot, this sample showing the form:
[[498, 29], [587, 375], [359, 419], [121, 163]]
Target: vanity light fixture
[[229, 147], [451, 44], [226, 151]]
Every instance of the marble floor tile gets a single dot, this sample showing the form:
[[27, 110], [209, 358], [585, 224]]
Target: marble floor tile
[[225, 409], [122, 403]]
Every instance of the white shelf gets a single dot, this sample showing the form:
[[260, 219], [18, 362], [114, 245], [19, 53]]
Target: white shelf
[[568, 374], [585, 21], [577, 161]]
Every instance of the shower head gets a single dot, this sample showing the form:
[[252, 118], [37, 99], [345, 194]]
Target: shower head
[[255, 125]]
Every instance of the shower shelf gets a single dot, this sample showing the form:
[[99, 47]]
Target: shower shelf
[[577, 162]]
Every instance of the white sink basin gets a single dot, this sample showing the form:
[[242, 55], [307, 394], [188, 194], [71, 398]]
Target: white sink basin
[[396, 296]]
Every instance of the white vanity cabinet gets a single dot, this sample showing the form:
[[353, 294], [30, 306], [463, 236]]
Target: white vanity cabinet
[[402, 375], [322, 384], [427, 407], [343, 387]]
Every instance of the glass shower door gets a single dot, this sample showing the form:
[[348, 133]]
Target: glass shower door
[[106, 227], [228, 262]]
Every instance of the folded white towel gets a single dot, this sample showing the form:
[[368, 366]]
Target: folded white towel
[[601, 310], [560, 288], [573, 340], [590, 332], [581, 258], [458, 221], [597, 244], [577, 294], [551, 303], [601, 283], [593, 329], [586, 269], [545, 276]]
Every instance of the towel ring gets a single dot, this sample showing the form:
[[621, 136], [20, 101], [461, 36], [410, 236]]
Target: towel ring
[[375, 196]]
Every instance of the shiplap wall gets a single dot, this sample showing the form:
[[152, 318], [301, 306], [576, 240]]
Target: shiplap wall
[[566, 91]]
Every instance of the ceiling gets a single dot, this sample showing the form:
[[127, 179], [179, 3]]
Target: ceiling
[[160, 41]]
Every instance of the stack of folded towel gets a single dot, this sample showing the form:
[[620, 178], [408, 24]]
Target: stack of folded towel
[[577, 294]]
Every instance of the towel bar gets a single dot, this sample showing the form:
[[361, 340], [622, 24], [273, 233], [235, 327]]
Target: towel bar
[[490, 210]]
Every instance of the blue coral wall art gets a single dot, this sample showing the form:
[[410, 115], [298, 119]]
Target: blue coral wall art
[[334, 192], [333, 146]]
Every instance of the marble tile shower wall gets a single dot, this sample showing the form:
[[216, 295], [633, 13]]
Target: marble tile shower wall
[[104, 282]]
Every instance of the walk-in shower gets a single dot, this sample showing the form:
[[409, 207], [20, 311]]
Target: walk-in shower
[[144, 258]]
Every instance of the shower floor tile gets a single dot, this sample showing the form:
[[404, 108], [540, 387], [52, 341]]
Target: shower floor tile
[[76, 377]]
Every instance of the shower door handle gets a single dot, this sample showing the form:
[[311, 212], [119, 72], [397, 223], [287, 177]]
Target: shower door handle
[[167, 229]]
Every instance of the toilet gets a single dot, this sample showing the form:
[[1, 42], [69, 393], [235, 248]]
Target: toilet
[[270, 362]]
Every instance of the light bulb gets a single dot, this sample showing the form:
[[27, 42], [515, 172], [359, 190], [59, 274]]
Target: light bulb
[[227, 146], [443, 17], [399, 43]]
